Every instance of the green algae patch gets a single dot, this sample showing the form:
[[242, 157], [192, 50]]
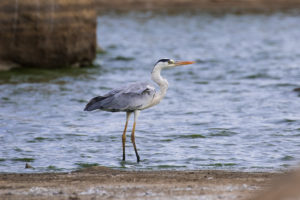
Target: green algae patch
[[287, 158], [193, 136], [101, 51], [123, 58], [23, 159], [86, 165], [221, 164], [223, 133], [40, 138], [54, 168], [166, 140]]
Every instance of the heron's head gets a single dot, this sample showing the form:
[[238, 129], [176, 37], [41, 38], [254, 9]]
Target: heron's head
[[169, 63]]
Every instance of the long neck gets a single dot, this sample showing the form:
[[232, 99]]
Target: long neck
[[163, 83]]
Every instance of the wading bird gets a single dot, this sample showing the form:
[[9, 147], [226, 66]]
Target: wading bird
[[135, 97]]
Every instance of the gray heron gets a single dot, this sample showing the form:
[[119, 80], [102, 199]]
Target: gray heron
[[135, 97]]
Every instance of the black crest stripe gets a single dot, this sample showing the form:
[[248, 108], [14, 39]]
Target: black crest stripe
[[163, 60]]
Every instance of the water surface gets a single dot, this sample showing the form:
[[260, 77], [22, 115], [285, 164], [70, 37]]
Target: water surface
[[234, 109]]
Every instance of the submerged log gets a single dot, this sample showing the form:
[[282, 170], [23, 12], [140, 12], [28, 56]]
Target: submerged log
[[48, 33]]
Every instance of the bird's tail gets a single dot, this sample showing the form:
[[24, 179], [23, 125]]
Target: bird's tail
[[93, 103]]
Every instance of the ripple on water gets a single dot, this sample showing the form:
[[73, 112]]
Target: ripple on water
[[235, 108]]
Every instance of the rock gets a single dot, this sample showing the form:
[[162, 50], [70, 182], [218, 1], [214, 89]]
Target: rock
[[27, 166], [46, 33]]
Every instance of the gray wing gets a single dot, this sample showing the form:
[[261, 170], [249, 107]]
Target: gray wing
[[129, 98]]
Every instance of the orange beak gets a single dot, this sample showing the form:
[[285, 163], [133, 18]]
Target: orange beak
[[184, 63]]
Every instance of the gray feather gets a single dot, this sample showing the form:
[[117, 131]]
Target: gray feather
[[129, 98]]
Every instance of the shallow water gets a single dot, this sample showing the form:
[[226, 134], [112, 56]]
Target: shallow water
[[234, 109]]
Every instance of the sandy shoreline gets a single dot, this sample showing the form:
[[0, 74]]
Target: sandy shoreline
[[104, 183]]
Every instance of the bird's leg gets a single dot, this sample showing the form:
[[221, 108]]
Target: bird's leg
[[124, 133], [136, 113]]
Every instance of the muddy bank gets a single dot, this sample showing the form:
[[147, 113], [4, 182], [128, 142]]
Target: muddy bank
[[104, 183], [198, 5]]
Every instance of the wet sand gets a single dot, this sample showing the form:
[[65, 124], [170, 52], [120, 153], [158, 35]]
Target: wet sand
[[104, 183]]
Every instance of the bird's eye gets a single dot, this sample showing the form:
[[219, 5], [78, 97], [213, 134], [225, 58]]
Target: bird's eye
[[170, 62]]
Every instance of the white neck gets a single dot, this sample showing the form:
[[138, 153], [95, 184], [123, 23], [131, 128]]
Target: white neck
[[162, 82]]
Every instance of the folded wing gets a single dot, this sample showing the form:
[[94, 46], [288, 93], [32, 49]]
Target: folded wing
[[129, 98]]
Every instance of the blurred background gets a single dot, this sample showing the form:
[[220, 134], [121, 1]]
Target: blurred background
[[237, 108]]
